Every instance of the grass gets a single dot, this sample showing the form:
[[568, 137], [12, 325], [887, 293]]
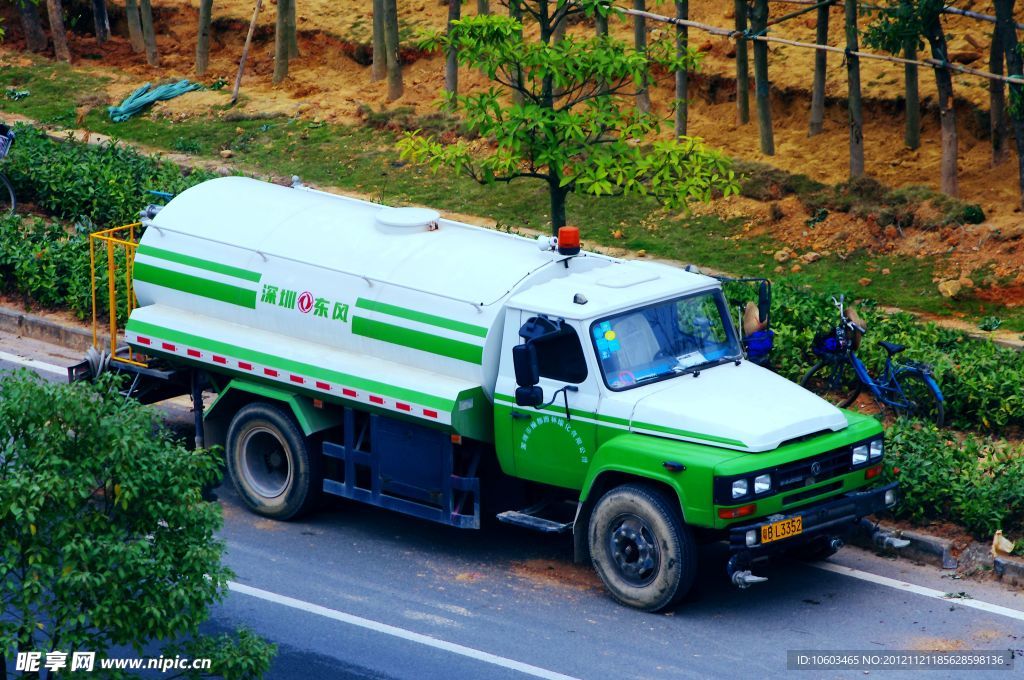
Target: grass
[[364, 159]]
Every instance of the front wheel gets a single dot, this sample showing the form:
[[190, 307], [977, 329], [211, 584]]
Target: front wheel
[[270, 464], [921, 397], [834, 381], [641, 548]]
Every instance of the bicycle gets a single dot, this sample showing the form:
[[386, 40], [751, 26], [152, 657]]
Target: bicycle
[[6, 190], [840, 376]]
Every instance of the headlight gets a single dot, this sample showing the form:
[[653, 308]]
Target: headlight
[[762, 483], [739, 488], [876, 447], [860, 454]]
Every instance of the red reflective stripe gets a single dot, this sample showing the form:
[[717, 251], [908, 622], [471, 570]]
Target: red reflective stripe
[[377, 400], [219, 360], [142, 340], [194, 353], [322, 385], [297, 379], [168, 346], [245, 366], [271, 372], [430, 414], [403, 407], [349, 393]]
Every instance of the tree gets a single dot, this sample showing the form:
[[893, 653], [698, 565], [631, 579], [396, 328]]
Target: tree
[[282, 50], [817, 122], [105, 539], [391, 47], [148, 32], [762, 86], [101, 20], [451, 64], [35, 38], [742, 65], [854, 104], [131, 12], [203, 37], [380, 60], [643, 97], [682, 75], [997, 102], [900, 21], [912, 129], [575, 130], [1007, 30], [60, 37]]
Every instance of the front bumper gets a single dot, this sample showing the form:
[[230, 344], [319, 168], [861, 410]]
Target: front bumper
[[822, 520]]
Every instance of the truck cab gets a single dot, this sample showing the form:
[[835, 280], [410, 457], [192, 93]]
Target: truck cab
[[627, 387]]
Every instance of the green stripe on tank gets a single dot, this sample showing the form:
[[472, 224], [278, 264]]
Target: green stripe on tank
[[194, 285], [422, 317], [198, 263], [425, 342], [298, 367]]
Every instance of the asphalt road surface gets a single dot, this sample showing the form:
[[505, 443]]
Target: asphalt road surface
[[357, 592]]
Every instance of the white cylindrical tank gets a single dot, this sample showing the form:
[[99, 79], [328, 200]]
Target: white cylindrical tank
[[398, 284]]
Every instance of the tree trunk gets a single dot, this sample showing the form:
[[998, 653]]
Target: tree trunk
[[395, 87], [682, 76], [997, 104], [451, 65], [758, 23], [35, 38], [148, 33], [483, 6], [131, 13], [203, 39], [515, 11], [947, 112], [601, 25], [853, 93], [742, 65], [1014, 66], [558, 196], [817, 123], [643, 97], [912, 131], [281, 42], [101, 20], [380, 59], [60, 38], [293, 30]]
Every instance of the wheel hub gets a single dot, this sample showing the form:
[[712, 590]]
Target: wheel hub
[[634, 550], [265, 464]]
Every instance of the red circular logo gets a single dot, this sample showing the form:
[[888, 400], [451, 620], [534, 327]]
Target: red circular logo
[[305, 302]]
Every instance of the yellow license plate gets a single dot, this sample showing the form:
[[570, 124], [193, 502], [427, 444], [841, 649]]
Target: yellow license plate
[[776, 531]]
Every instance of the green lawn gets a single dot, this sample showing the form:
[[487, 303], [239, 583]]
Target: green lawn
[[364, 159]]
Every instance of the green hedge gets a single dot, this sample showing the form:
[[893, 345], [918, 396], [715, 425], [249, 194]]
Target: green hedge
[[982, 382], [104, 184]]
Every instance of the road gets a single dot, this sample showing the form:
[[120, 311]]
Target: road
[[356, 592]]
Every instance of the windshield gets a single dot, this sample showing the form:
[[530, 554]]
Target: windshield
[[665, 339]]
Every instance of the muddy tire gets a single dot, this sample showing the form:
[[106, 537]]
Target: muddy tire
[[641, 548], [269, 462]]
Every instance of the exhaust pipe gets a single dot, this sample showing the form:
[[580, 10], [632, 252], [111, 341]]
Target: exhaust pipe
[[740, 577], [882, 538]]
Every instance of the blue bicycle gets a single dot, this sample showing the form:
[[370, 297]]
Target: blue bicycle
[[839, 376]]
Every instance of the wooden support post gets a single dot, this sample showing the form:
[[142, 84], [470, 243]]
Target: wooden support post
[[820, 70], [762, 87], [245, 51], [853, 93], [742, 65]]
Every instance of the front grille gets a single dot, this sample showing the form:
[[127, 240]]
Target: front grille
[[813, 470], [809, 493]]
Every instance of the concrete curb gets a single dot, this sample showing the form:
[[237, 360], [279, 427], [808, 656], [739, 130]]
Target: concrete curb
[[38, 328]]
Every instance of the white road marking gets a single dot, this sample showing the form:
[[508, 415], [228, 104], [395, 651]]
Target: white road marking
[[394, 631], [920, 590], [32, 363]]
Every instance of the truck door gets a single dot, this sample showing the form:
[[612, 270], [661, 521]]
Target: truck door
[[550, 444]]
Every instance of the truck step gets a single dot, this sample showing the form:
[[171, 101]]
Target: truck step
[[528, 521]]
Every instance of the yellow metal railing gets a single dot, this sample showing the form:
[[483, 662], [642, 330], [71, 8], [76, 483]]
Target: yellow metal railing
[[111, 240]]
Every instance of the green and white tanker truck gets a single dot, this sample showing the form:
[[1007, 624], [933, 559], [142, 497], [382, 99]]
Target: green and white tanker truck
[[415, 363]]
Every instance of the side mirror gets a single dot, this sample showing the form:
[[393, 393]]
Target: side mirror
[[764, 301], [524, 360], [529, 396]]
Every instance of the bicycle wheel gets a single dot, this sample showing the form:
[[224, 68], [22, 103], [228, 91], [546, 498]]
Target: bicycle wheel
[[7, 201], [920, 397], [833, 381]]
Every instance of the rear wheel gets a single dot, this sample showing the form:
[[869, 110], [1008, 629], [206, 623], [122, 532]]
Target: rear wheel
[[920, 397], [834, 381], [641, 548], [270, 464]]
